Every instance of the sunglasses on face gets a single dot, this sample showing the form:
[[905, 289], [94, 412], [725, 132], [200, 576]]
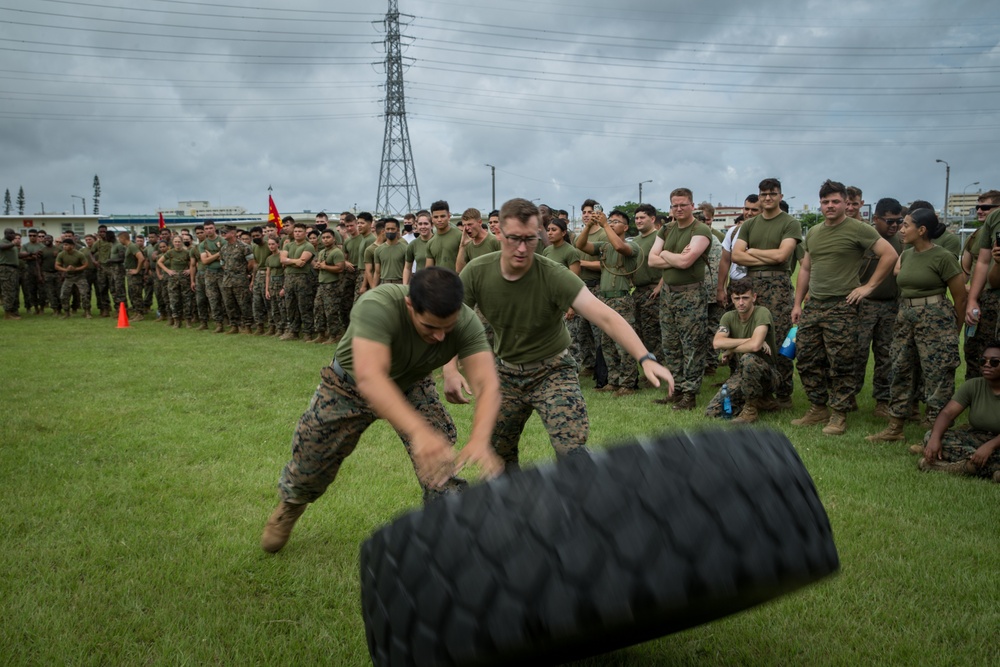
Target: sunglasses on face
[[985, 207], [992, 362]]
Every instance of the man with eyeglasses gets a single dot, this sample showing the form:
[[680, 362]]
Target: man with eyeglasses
[[765, 246], [988, 299], [525, 297], [681, 251], [877, 312]]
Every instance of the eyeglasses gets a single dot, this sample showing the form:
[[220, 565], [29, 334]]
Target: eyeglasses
[[992, 362], [769, 195], [985, 207], [892, 221], [518, 240], [681, 205]]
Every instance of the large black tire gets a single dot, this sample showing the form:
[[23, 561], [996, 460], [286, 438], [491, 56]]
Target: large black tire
[[595, 553]]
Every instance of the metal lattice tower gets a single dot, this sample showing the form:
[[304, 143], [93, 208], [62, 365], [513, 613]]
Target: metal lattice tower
[[397, 182]]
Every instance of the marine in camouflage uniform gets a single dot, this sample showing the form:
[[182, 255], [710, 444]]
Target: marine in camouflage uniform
[[261, 307], [960, 443], [210, 249], [276, 302], [201, 309], [237, 262], [69, 258], [134, 261], [101, 252], [177, 279], [339, 412], [989, 298], [8, 275], [680, 251], [298, 285], [32, 282], [713, 311], [619, 261], [646, 284], [326, 304]]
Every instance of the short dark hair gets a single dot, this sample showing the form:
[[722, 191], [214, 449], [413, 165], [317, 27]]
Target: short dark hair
[[560, 223], [921, 203], [424, 212], [783, 205], [924, 217], [854, 192], [323, 215], [366, 216], [519, 208], [621, 214], [992, 196], [199, 227], [740, 286], [440, 205], [887, 205], [588, 202], [752, 198], [648, 209], [436, 290], [494, 212], [769, 184], [300, 225], [682, 192], [832, 188], [380, 225], [348, 216], [257, 228]]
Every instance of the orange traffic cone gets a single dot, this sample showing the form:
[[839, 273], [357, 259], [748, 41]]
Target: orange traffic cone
[[122, 317]]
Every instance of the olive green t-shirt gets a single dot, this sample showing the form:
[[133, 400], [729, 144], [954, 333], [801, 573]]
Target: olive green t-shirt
[[616, 268], [675, 240], [835, 256], [645, 275], [950, 242], [983, 404], [887, 289], [527, 314], [354, 250], [49, 258], [926, 273], [102, 250], [390, 259], [381, 315], [273, 262], [596, 235], [32, 248], [211, 246], [177, 260], [74, 259], [9, 257], [131, 250], [330, 256], [489, 244], [736, 328], [416, 253], [566, 254], [988, 232], [768, 235], [295, 251], [370, 256], [443, 248], [260, 254]]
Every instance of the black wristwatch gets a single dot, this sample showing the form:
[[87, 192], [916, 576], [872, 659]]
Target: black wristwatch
[[649, 355]]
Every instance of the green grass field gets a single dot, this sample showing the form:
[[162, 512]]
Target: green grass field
[[139, 467]]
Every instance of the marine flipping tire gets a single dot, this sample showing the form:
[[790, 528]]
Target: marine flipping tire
[[597, 552]]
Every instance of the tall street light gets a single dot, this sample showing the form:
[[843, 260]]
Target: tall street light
[[947, 178], [493, 177], [83, 203], [964, 207], [640, 189]]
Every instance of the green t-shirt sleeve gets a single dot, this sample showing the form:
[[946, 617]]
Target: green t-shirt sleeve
[[987, 237], [373, 320], [471, 335], [964, 394]]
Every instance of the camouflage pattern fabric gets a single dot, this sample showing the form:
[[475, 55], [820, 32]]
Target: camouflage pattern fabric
[[827, 351], [331, 427], [622, 368], [326, 309], [32, 285], [776, 294], [135, 287], [99, 280], [118, 295], [647, 318], [713, 315], [213, 292], [71, 281], [261, 307], [151, 290], [552, 388], [960, 443], [754, 379], [201, 297], [276, 306], [875, 334], [989, 315], [236, 296], [926, 341], [346, 287], [682, 328], [588, 337], [9, 288], [299, 303], [180, 296]]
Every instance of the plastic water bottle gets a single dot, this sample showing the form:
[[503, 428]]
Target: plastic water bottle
[[788, 347], [970, 329], [727, 403]]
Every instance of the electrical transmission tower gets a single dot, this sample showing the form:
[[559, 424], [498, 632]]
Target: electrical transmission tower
[[397, 182]]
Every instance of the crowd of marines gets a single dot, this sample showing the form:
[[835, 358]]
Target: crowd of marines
[[694, 298]]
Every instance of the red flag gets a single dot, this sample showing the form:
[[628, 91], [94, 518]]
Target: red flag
[[163, 224], [272, 213]]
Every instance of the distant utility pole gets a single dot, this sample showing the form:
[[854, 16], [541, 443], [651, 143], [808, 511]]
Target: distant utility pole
[[493, 178], [397, 182]]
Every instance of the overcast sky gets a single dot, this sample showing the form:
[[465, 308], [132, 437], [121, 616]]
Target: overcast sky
[[170, 100]]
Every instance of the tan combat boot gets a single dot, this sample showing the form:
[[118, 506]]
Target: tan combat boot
[[748, 414], [272, 331], [218, 328], [837, 424], [882, 410], [245, 331], [288, 335], [893, 432], [203, 326], [817, 414], [684, 402], [319, 339], [233, 330], [279, 526], [965, 467]]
